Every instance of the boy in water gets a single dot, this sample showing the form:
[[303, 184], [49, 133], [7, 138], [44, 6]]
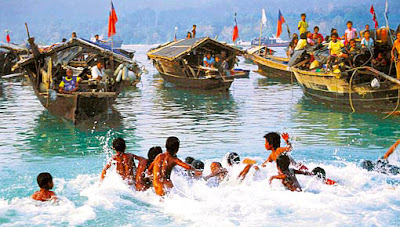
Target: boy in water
[[382, 165], [163, 165], [234, 159], [45, 182], [217, 171], [125, 162], [288, 176], [273, 143], [320, 173], [142, 179]]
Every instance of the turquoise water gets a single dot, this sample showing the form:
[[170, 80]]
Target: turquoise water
[[209, 126]]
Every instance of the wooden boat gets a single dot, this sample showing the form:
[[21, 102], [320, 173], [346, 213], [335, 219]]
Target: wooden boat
[[9, 55], [180, 63], [352, 91], [353, 84], [272, 66], [93, 98]]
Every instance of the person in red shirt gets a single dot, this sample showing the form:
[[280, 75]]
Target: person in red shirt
[[45, 182], [317, 35]]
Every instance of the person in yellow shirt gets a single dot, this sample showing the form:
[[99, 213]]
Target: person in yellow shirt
[[301, 45], [303, 25], [335, 49], [396, 47], [69, 83]]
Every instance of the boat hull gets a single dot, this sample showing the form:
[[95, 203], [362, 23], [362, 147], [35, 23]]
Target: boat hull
[[271, 68], [212, 84], [333, 90]]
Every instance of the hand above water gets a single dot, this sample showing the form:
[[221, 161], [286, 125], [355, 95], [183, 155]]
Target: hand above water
[[285, 136]]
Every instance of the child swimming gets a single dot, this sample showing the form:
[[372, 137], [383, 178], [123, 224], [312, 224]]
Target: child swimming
[[124, 161], [217, 171], [143, 180], [288, 176], [382, 164], [273, 143], [45, 182], [164, 163]]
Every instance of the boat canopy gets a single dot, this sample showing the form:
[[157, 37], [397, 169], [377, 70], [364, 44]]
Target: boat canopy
[[178, 49], [71, 49]]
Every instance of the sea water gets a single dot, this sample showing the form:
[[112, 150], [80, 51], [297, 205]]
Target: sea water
[[209, 126]]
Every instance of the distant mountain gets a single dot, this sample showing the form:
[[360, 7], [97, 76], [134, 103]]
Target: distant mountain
[[154, 21]]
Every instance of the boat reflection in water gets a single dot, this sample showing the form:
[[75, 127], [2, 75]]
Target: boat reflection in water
[[318, 125], [55, 136]]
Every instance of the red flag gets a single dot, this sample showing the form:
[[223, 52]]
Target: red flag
[[112, 20], [281, 20], [8, 38], [235, 34], [372, 11]]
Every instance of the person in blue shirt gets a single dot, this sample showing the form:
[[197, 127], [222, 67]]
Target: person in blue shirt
[[367, 41], [208, 60]]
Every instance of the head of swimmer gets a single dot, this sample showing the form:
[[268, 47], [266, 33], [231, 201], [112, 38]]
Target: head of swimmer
[[172, 145], [233, 158], [153, 152], [119, 145], [272, 141]]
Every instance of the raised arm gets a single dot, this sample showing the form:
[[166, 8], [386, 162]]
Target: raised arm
[[103, 173], [392, 149]]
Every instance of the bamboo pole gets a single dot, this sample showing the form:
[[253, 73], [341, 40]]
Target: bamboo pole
[[259, 40]]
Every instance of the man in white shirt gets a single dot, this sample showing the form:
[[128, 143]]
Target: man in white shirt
[[98, 71]]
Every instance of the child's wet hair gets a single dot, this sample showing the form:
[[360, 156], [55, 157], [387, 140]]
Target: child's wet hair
[[217, 163], [44, 180], [153, 152], [198, 165], [233, 158], [368, 165], [273, 139], [119, 144], [172, 145], [283, 162], [189, 160], [319, 172]]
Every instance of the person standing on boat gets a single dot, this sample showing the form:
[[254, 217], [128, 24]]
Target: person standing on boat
[[69, 83], [208, 60], [396, 47], [350, 33], [98, 71], [194, 31], [97, 39], [303, 25]]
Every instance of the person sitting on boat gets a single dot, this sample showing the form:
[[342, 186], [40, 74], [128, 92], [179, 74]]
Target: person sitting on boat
[[189, 35], [380, 62], [73, 35], [309, 39], [98, 71], [208, 60], [327, 39], [382, 164], [335, 49], [292, 46], [69, 83], [367, 41], [396, 48], [350, 33], [97, 39], [334, 30], [303, 25], [317, 35], [221, 65], [364, 30], [301, 45]]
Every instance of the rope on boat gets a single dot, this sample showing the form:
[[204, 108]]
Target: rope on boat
[[350, 90]]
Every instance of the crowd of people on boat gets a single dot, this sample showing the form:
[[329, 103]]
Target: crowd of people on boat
[[343, 49], [155, 170]]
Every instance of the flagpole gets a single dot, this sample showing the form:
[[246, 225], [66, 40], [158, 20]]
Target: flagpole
[[259, 40]]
